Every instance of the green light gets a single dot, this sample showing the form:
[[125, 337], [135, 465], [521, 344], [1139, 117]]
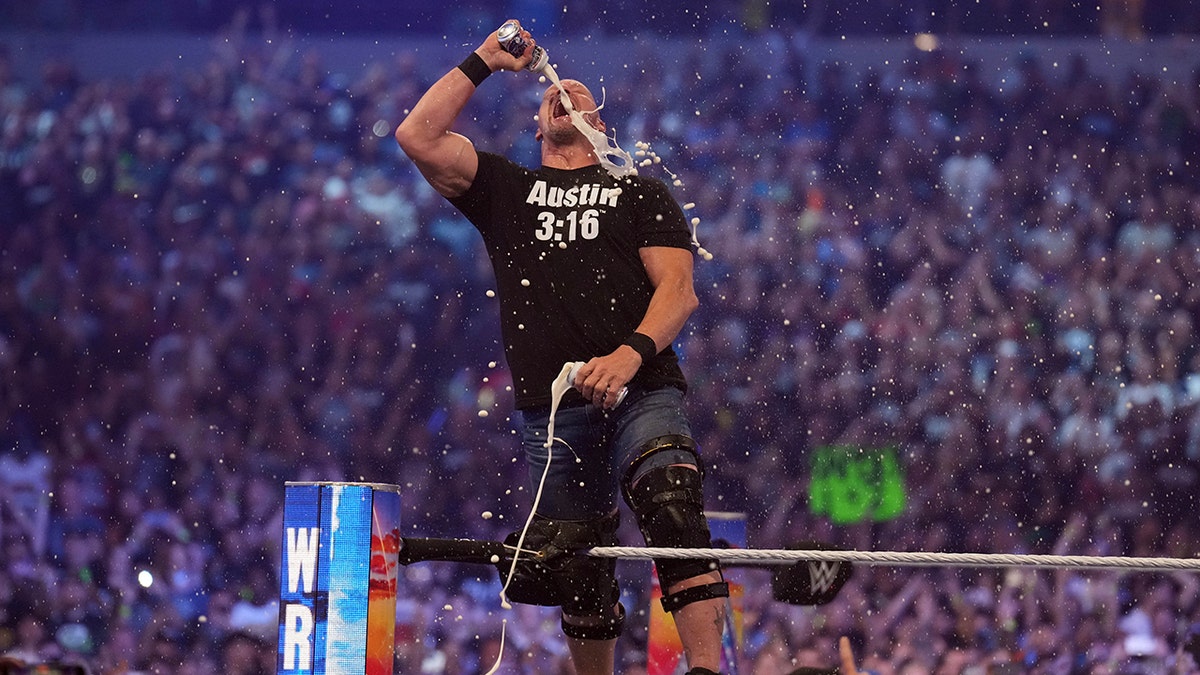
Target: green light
[[851, 484]]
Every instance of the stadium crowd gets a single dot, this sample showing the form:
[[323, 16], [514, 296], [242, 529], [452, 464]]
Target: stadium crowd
[[1127, 19], [220, 277]]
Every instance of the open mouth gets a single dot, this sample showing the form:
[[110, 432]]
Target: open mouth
[[559, 111]]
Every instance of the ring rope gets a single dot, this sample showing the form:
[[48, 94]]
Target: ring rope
[[901, 558]]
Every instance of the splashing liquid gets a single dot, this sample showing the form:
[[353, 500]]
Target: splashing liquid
[[607, 150]]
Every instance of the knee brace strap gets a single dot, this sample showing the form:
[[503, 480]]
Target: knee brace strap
[[609, 629], [687, 596], [677, 443], [557, 575], [669, 505]]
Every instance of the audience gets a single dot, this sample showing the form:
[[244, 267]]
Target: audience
[[1122, 19], [215, 281]]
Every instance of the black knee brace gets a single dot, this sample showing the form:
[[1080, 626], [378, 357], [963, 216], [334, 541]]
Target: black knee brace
[[608, 627], [558, 575], [669, 504]]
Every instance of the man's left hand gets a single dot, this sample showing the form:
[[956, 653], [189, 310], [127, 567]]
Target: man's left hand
[[601, 378]]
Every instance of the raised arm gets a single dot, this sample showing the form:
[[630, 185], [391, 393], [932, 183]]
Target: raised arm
[[447, 159]]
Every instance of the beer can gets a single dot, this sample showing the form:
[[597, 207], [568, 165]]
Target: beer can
[[575, 370], [510, 38]]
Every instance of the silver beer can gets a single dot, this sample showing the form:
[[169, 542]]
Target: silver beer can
[[510, 38], [575, 371]]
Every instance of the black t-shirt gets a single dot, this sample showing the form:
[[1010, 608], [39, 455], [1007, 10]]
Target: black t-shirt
[[564, 249]]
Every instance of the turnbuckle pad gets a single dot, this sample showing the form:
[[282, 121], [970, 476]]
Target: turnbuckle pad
[[811, 582]]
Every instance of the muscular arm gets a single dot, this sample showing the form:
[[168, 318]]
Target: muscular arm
[[674, 300], [447, 159]]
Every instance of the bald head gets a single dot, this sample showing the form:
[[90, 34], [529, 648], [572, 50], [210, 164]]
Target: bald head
[[555, 123]]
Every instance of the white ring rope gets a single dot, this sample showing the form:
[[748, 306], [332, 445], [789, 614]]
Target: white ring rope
[[901, 558]]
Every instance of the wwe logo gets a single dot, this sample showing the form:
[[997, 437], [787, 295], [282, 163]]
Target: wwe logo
[[822, 575]]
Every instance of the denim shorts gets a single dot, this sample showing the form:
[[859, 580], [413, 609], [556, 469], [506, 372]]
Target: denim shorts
[[593, 448]]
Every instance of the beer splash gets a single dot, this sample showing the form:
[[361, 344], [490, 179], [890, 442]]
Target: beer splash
[[607, 149]]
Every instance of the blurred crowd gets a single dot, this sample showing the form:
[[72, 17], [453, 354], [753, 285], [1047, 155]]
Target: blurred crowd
[[222, 277], [1128, 19]]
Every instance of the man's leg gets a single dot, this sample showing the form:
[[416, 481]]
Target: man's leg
[[585, 587], [575, 492], [663, 488], [591, 657], [701, 624]]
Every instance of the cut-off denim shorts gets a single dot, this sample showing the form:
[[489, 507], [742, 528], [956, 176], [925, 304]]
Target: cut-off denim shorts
[[594, 447]]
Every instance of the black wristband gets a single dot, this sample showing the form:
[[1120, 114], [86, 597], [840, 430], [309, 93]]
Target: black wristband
[[475, 68], [642, 344]]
